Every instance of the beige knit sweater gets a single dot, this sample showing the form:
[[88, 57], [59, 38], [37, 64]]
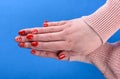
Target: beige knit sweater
[[105, 22]]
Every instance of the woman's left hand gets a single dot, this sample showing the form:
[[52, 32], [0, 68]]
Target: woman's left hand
[[62, 55]]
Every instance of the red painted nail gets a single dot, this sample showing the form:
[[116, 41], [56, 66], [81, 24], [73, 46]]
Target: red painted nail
[[45, 25], [29, 36], [33, 51], [21, 32], [19, 39], [61, 56], [22, 45], [34, 44], [35, 31]]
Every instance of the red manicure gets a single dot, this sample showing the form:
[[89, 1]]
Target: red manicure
[[33, 51], [21, 32], [29, 36], [61, 56], [34, 44], [35, 31], [22, 45], [45, 25], [19, 39]]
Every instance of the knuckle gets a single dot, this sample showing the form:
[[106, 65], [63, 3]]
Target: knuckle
[[41, 30], [60, 36], [52, 29], [63, 22], [69, 45], [50, 37], [36, 37], [27, 45], [66, 32], [63, 35], [42, 45], [45, 30]]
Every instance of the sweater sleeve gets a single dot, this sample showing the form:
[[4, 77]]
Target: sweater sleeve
[[106, 20], [107, 59]]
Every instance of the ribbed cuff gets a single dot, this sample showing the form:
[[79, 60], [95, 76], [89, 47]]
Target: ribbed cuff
[[100, 59], [106, 20]]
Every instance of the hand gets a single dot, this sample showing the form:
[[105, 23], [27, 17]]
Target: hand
[[73, 35], [62, 55]]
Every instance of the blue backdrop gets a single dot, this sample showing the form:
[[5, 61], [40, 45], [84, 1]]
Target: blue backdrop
[[17, 63]]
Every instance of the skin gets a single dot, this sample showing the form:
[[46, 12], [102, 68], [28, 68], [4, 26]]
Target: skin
[[64, 36], [69, 55]]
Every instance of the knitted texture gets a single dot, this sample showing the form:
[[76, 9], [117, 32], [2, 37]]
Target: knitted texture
[[107, 59], [105, 22]]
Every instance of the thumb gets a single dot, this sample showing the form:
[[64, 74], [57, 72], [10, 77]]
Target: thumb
[[79, 57], [63, 55]]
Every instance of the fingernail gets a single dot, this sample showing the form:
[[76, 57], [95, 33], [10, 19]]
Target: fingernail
[[33, 51], [45, 25], [22, 45], [34, 44], [19, 39], [35, 31], [29, 36], [22, 32], [61, 56]]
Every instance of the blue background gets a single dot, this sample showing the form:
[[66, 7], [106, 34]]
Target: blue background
[[17, 63]]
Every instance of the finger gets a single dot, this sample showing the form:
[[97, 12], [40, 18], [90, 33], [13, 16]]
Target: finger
[[24, 31], [64, 55], [18, 39], [56, 23], [41, 37], [24, 38], [44, 54], [48, 46], [47, 29], [47, 37], [29, 30], [58, 45]]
